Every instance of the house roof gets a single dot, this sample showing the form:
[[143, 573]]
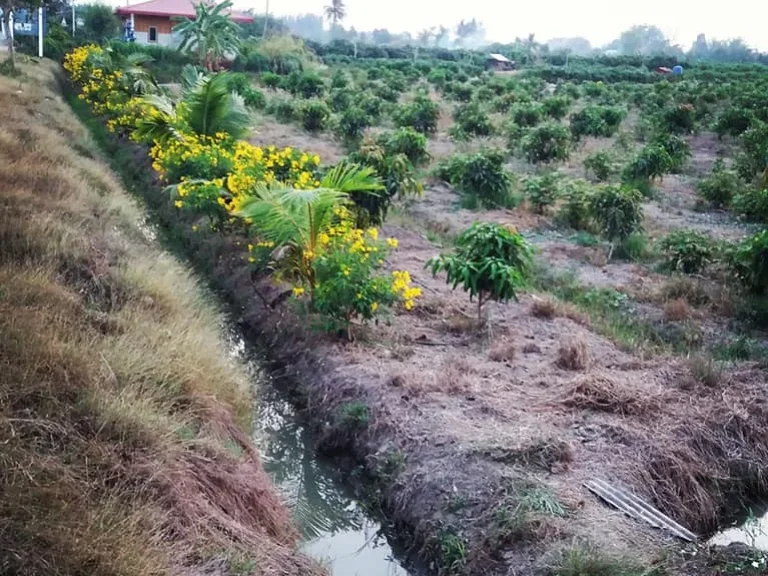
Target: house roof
[[499, 58], [182, 8]]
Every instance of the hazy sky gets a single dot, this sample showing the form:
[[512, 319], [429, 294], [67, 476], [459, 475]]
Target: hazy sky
[[600, 21]]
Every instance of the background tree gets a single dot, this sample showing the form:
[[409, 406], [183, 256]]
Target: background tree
[[99, 23], [212, 34], [309, 26], [441, 36], [468, 32], [335, 12], [425, 36]]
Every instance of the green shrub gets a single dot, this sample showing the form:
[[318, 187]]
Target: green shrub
[[547, 142], [340, 99], [600, 164], [753, 160], [396, 172], [720, 186], [339, 79], [270, 80], [679, 118], [686, 251], [634, 248], [752, 204], [556, 106], [527, 113], [421, 114], [481, 178], [372, 106], [595, 120], [472, 120], [541, 191], [749, 262], [351, 124], [574, 212], [617, 211], [314, 115], [241, 84], [285, 110], [504, 102], [678, 149], [304, 84], [734, 121], [490, 261], [652, 162], [408, 142], [461, 92]]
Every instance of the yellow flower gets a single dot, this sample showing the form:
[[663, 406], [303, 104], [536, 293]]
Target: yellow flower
[[392, 242], [195, 228], [179, 204], [298, 291], [373, 233], [316, 160], [323, 238], [250, 247], [251, 259], [374, 306], [408, 305]]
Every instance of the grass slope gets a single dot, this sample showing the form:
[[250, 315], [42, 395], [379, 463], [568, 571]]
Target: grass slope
[[122, 422]]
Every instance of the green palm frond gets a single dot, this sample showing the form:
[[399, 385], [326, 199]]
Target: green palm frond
[[285, 215], [162, 124], [190, 78], [349, 177], [211, 108]]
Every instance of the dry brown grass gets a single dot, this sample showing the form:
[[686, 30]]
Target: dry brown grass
[[544, 308], [502, 352], [601, 393], [119, 407], [573, 355], [677, 310]]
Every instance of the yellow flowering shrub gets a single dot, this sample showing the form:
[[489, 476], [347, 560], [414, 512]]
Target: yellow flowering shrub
[[347, 280]]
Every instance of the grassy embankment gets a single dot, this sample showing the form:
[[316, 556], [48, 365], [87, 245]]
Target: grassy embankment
[[123, 438]]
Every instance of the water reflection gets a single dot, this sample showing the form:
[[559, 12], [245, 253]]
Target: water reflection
[[333, 525], [753, 532]]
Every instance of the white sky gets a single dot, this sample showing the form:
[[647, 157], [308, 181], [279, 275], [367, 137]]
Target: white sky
[[600, 21]]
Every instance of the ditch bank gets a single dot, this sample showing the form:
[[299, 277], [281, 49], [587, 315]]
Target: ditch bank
[[485, 507]]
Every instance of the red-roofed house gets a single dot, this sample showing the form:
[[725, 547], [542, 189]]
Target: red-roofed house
[[152, 22]]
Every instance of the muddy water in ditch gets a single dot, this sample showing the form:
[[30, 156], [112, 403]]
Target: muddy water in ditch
[[334, 527], [753, 532]]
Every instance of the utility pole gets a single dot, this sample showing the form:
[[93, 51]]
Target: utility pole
[[266, 19], [40, 32]]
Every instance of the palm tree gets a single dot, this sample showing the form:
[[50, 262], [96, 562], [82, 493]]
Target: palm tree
[[294, 219], [136, 78], [207, 106], [212, 33], [336, 11]]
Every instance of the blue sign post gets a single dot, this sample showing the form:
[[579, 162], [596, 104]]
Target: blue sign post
[[27, 22]]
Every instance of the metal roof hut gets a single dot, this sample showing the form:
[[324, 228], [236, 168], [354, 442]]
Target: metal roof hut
[[499, 62]]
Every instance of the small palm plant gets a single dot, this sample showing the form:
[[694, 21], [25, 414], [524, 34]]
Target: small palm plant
[[212, 33], [206, 108], [294, 219], [490, 261]]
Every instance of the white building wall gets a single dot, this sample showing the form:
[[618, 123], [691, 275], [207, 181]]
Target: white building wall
[[168, 40]]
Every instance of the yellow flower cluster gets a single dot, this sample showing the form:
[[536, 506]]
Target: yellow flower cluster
[[75, 63], [402, 285]]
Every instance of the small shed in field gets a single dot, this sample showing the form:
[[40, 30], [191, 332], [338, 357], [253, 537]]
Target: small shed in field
[[499, 62]]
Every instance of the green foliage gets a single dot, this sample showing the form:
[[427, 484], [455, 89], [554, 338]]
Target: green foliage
[[395, 171], [99, 23], [545, 143], [354, 416], [753, 159], [472, 120], [527, 113], [574, 212], [653, 161], [211, 34], [339, 79], [421, 114], [752, 204], [687, 251], [748, 261], [600, 164], [720, 186], [617, 211], [556, 106], [452, 552], [271, 80], [352, 124], [596, 120], [679, 118], [284, 110], [541, 191], [314, 115], [240, 83], [678, 149], [480, 177], [490, 261], [634, 248], [304, 84], [340, 99], [409, 142], [734, 121], [588, 562]]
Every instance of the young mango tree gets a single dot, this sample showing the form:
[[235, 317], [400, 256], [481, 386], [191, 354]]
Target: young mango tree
[[490, 261]]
